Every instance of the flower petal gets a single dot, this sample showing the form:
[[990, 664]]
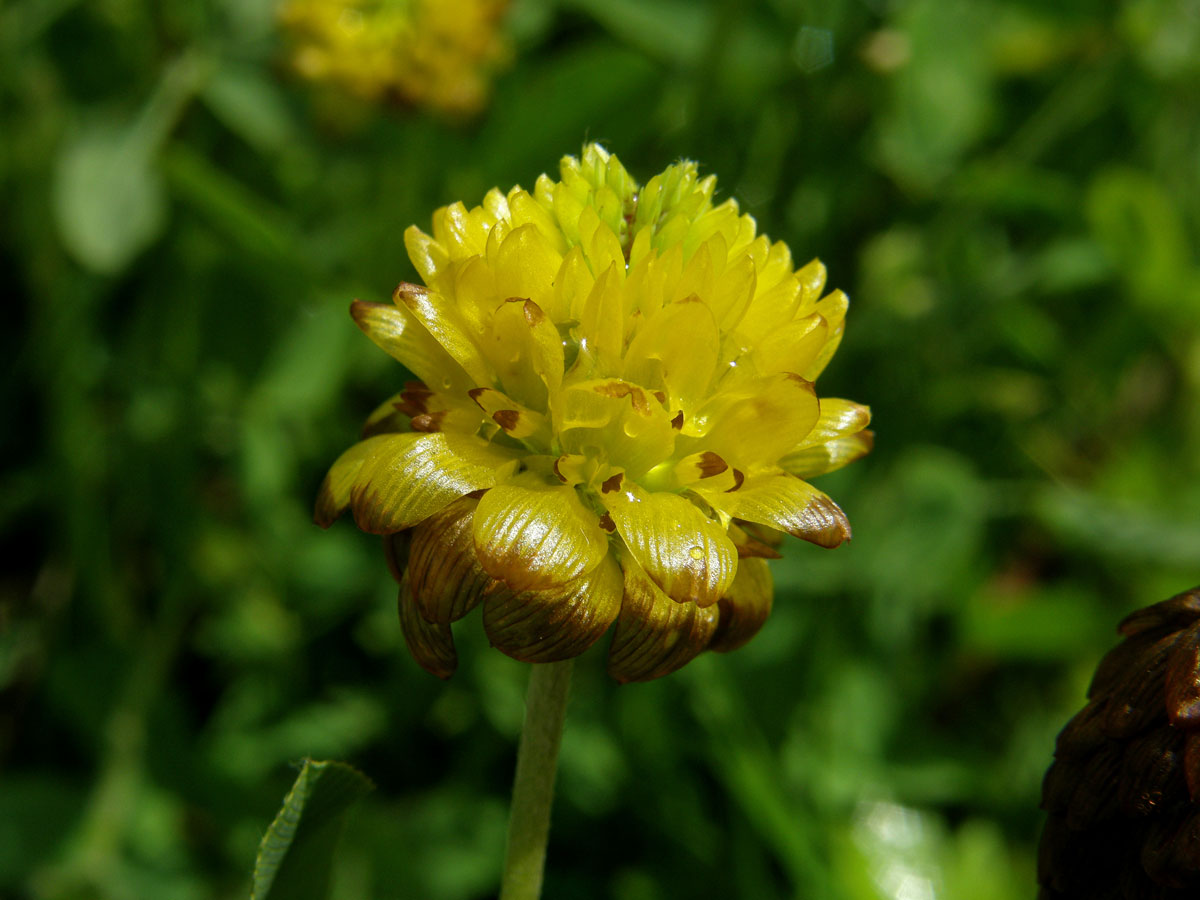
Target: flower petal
[[677, 349], [405, 478], [557, 623], [686, 553], [827, 457], [654, 635], [333, 497], [769, 417], [443, 320], [445, 577], [792, 347], [786, 503], [745, 608], [839, 418], [617, 422], [533, 538], [397, 331], [432, 646]]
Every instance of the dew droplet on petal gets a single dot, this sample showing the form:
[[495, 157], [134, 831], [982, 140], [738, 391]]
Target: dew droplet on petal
[[696, 553]]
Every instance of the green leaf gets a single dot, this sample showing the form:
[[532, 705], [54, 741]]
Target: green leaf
[[296, 854]]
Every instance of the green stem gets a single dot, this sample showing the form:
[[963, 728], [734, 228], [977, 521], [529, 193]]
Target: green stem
[[533, 787]]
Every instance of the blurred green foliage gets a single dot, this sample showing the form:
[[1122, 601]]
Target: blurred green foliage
[[1010, 192]]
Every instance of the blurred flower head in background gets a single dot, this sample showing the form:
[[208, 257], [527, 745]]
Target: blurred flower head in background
[[614, 420], [435, 53], [1123, 794]]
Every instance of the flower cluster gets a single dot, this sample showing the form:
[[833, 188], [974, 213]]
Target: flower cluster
[[437, 53], [614, 420], [1123, 794]]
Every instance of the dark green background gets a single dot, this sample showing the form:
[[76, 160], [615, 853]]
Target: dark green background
[[1010, 193]]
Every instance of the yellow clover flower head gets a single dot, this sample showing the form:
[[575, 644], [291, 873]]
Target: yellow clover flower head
[[437, 53], [615, 415]]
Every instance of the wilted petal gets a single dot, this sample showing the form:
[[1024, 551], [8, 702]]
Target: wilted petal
[[746, 607], [431, 645], [408, 477], [533, 538], [655, 635], [786, 503], [557, 623], [685, 552], [333, 497], [446, 579]]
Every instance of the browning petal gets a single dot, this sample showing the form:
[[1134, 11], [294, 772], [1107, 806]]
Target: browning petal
[[431, 645], [655, 635], [555, 624]]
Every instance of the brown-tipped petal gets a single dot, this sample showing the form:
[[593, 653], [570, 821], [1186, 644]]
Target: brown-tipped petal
[[431, 645], [555, 624], [333, 497], [446, 579], [745, 608], [655, 635], [408, 477], [787, 503], [533, 538]]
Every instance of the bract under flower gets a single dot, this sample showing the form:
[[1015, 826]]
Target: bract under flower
[[616, 402]]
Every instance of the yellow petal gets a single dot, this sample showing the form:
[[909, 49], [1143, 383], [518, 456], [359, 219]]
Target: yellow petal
[[686, 553], [833, 310], [444, 321], [557, 623], [426, 252], [526, 266], [518, 421], [828, 457], [792, 347], [398, 332], [521, 345], [745, 608], [600, 332], [786, 503], [533, 538], [769, 417], [545, 346], [617, 422], [431, 645], [405, 478], [445, 577], [654, 635], [676, 349], [839, 418]]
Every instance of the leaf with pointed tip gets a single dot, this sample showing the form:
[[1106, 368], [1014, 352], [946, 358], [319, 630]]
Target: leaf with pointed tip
[[296, 854]]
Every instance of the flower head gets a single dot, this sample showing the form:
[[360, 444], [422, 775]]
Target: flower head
[[1123, 794], [614, 418], [437, 53]]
